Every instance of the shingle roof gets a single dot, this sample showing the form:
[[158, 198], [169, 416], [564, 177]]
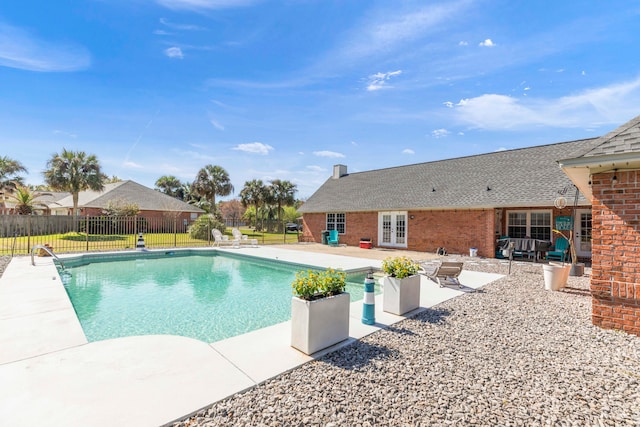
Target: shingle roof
[[624, 139], [513, 178], [130, 192]]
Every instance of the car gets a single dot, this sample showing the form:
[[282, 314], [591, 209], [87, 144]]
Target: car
[[292, 226]]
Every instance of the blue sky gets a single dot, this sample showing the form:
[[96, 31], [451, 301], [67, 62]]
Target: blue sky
[[286, 89]]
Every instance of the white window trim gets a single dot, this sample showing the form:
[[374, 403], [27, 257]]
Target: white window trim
[[529, 212], [326, 221]]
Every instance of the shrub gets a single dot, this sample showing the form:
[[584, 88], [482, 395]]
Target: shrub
[[400, 267], [312, 284], [201, 227]]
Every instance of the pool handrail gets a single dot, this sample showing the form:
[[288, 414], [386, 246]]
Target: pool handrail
[[47, 250]]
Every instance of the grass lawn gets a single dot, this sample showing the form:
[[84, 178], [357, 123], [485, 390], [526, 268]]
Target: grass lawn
[[80, 242]]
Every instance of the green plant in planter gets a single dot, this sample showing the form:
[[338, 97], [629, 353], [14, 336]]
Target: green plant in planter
[[311, 284], [400, 267]]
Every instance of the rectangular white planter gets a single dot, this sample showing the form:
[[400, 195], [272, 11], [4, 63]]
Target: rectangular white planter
[[400, 295], [319, 324]]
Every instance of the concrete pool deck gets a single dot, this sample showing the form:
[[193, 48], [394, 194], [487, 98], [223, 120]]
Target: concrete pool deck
[[51, 375]]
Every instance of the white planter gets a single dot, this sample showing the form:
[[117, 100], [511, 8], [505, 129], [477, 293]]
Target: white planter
[[319, 324], [555, 275], [400, 296]]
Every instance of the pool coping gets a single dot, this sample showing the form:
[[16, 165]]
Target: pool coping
[[49, 374]]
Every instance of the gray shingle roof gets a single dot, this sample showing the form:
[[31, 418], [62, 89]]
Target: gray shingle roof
[[624, 139], [146, 198], [522, 177]]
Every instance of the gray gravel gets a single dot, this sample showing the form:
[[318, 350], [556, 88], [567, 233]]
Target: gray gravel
[[4, 261], [512, 354]]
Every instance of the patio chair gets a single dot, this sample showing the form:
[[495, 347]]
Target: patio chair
[[561, 250], [442, 272], [220, 239], [243, 238], [333, 238]]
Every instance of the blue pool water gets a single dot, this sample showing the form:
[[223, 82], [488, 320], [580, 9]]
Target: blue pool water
[[208, 297]]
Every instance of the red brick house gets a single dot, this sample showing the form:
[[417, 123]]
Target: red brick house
[[609, 176], [457, 204]]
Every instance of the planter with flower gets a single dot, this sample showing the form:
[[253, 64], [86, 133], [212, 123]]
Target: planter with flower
[[319, 310], [400, 286]]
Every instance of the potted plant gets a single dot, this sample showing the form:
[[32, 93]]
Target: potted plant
[[400, 286], [319, 310]]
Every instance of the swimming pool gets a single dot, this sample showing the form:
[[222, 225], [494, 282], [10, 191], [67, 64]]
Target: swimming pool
[[209, 296]]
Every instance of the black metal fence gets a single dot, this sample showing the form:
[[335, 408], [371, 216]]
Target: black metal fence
[[20, 233]]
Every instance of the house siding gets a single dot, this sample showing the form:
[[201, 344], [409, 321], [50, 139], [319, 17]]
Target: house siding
[[615, 275]]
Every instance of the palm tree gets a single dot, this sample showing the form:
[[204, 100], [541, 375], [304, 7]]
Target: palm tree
[[74, 171], [212, 181], [282, 194], [8, 178], [25, 200], [253, 194], [169, 185]]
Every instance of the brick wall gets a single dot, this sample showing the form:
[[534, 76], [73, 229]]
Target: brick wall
[[615, 276], [457, 231]]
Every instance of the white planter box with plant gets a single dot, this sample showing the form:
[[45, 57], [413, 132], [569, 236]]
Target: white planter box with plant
[[400, 286], [319, 310]]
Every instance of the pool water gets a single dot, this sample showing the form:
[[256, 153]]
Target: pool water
[[209, 297]]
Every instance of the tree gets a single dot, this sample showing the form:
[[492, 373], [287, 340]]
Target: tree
[[74, 171], [282, 194], [170, 185], [253, 194], [25, 200], [232, 210], [212, 181], [9, 168]]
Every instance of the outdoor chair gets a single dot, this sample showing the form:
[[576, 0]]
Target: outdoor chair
[[333, 238], [243, 238], [220, 240], [561, 250], [443, 272]]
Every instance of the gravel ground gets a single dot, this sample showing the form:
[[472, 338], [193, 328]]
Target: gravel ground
[[4, 261], [511, 354]]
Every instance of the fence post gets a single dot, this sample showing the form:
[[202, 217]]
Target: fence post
[[175, 231], [86, 230], [28, 234]]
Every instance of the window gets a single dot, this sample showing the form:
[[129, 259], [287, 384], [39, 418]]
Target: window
[[336, 221], [534, 224]]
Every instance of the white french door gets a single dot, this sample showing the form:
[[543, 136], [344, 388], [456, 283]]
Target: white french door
[[392, 229], [582, 233]]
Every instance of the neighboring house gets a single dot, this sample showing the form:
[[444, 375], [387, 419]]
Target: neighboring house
[[457, 204], [152, 203], [608, 174]]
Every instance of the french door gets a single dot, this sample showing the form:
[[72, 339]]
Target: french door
[[392, 229], [582, 233]]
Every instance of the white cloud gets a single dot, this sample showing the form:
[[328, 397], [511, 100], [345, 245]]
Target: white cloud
[[331, 154], [22, 50], [216, 124], [132, 165], [463, 43], [440, 133], [408, 151], [610, 104], [254, 148], [203, 4], [315, 168], [487, 43], [392, 28], [379, 81], [183, 27], [448, 104], [174, 52]]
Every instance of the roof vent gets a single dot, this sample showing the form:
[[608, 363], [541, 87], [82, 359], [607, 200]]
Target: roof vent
[[339, 171]]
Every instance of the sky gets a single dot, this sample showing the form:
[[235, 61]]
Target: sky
[[287, 89]]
